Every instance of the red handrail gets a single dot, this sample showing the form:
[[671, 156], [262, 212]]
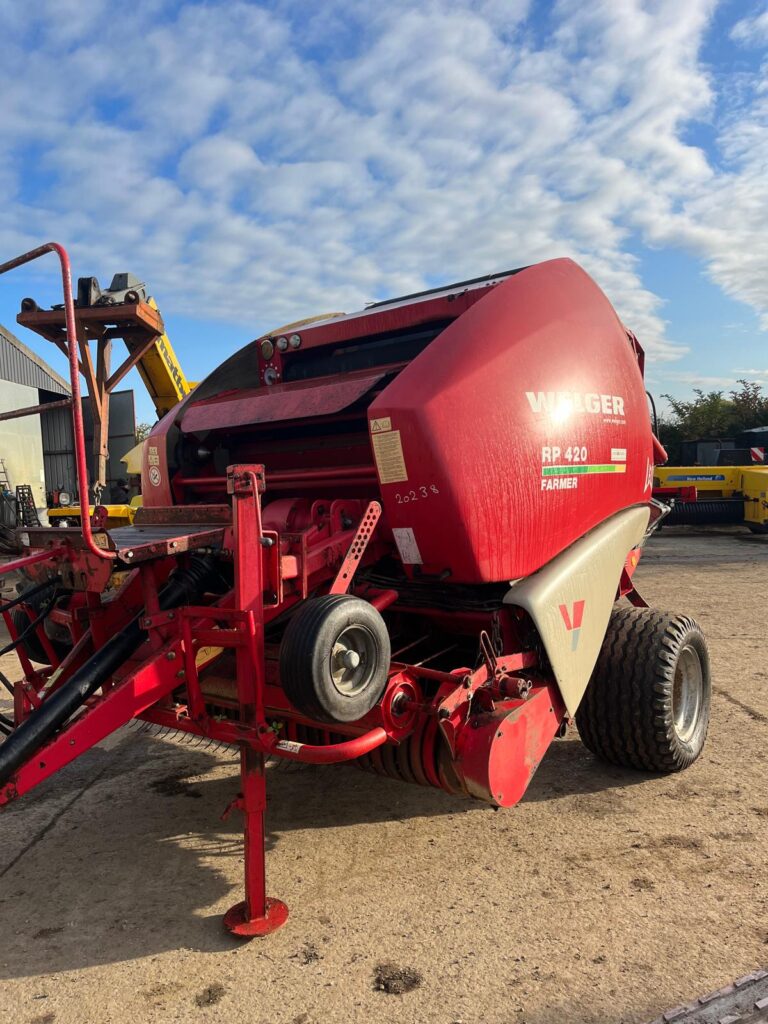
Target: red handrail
[[74, 377], [38, 556]]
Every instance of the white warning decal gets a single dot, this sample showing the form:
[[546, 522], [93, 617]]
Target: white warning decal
[[618, 454], [388, 452], [154, 476], [289, 746], [407, 546], [153, 457], [379, 426]]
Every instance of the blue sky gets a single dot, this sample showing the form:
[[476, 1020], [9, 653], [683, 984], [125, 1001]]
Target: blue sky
[[261, 162]]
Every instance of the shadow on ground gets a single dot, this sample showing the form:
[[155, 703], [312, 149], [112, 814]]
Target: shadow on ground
[[139, 862]]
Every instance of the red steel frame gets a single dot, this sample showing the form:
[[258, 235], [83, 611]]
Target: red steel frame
[[145, 686]]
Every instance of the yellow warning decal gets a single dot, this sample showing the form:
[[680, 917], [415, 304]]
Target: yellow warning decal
[[388, 452]]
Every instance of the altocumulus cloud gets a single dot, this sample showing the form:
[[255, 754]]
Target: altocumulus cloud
[[263, 161]]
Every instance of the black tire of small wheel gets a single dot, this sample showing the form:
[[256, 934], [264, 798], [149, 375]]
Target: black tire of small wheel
[[31, 642], [305, 657], [626, 716]]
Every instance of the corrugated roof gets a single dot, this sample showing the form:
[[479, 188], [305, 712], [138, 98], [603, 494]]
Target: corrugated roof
[[20, 365]]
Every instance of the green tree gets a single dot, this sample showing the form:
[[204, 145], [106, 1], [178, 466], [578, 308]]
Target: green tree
[[142, 432], [712, 414], [750, 406]]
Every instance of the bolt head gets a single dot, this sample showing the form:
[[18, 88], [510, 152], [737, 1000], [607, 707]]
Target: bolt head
[[351, 659]]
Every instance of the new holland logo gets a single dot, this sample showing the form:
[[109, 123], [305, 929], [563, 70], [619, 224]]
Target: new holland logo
[[572, 620]]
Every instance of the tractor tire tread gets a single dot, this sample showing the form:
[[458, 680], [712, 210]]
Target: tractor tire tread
[[625, 717]]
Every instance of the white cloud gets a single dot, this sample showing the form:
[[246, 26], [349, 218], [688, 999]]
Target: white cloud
[[753, 30], [261, 164]]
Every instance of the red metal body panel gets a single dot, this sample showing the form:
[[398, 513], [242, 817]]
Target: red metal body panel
[[536, 376], [198, 411], [499, 757], [282, 402]]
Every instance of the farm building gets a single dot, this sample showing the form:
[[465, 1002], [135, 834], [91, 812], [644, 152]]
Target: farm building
[[26, 381], [36, 449]]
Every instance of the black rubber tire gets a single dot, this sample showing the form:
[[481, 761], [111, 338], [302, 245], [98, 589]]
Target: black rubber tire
[[306, 651], [626, 716], [758, 528], [31, 643]]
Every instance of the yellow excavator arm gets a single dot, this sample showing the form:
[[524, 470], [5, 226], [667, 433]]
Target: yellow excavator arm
[[162, 374]]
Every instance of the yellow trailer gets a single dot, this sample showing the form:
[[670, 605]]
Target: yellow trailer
[[715, 494]]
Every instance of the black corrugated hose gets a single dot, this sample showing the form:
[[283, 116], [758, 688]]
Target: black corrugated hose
[[185, 585]]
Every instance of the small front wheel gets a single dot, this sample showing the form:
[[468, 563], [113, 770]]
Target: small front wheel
[[647, 703], [334, 658]]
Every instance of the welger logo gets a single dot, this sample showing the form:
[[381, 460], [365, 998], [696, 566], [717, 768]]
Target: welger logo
[[560, 403], [572, 620]]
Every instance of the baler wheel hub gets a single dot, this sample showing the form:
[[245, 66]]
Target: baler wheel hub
[[687, 693], [353, 660]]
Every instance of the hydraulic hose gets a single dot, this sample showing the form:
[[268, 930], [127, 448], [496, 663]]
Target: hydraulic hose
[[183, 587]]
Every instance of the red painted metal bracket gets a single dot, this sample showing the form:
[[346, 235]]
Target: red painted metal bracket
[[136, 691], [357, 548]]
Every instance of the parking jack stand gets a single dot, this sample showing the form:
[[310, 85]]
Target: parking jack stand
[[257, 914]]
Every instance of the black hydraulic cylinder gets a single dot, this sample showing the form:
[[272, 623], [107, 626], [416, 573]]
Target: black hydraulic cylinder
[[184, 586]]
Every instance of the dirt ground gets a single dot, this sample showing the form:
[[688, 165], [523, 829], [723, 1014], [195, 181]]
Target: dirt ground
[[606, 896]]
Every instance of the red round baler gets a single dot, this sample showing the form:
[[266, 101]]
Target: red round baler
[[403, 538]]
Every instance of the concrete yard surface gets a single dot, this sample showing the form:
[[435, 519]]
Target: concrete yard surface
[[605, 896]]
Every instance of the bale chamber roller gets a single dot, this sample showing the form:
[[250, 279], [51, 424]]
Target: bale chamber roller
[[403, 538]]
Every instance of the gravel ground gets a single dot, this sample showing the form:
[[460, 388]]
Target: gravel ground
[[604, 897]]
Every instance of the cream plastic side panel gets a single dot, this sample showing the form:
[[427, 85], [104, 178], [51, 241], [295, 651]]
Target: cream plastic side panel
[[571, 598]]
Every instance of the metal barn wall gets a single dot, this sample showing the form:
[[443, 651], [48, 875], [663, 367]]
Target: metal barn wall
[[122, 436], [58, 455], [60, 471]]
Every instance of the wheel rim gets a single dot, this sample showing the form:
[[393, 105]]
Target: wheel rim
[[687, 693], [353, 660]]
